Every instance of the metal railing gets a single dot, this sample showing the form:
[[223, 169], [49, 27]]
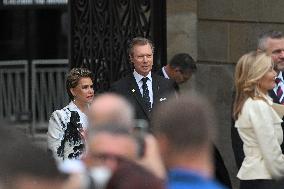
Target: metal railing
[[48, 90], [32, 93], [14, 89]]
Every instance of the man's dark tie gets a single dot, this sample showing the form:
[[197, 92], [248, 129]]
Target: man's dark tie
[[146, 97], [279, 91]]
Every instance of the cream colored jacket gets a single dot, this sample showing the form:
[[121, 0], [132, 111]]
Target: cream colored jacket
[[259, 127]]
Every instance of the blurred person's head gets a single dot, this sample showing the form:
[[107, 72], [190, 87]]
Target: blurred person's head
[[107, 144], [272, 42], [24, 165], [111, 108], [141, 52], [184, 128], [79, 85], [181, 67], [130, 175], [254, 77]]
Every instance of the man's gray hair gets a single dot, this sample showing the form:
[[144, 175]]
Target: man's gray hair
[[262, 39], [139, 41], [120, 111]]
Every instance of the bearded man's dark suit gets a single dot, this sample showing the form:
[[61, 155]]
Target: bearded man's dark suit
[[277, 100], [128, 88], [221, 173], [160, 73]]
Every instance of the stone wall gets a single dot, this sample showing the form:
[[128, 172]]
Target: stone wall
[[217, 33], [182, 27]]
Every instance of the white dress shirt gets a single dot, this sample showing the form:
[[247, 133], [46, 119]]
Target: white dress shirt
[[165, 73], [259, 127], [139, 82]]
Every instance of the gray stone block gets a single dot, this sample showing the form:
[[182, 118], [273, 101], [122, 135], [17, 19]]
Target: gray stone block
[[242, 10], [212, 41], [174, 6], [182, 34], [215, 9], [243, 38], [271, 11]]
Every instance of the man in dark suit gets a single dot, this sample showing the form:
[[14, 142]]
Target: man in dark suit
[[179, 69], [142, 88], [271, 42], [184, 129]]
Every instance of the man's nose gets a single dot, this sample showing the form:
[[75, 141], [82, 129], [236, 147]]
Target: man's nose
[[145, 58]]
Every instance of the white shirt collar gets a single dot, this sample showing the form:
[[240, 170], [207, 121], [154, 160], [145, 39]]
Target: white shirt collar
[[280, 76], [72, 106], [138, 77], [83, 117], [165, 73]]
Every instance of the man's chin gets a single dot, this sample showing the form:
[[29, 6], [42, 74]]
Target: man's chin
[[280, 69], [280, 66]]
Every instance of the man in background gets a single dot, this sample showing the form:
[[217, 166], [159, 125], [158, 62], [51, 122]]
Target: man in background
[[142, 88], [111, 108], [179, 69], [184, 130], [24, 165]]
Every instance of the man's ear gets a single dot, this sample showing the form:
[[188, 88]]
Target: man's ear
[[163, 143], [177, 69]]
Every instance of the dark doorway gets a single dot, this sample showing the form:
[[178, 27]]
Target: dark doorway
[[33, 33]]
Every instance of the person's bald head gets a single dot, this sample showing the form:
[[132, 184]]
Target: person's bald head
[[111, 108]]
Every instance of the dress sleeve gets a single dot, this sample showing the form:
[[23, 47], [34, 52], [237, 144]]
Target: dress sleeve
[[263, 122], [55, 133]]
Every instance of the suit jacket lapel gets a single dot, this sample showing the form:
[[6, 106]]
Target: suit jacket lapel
[[156, 88], [134, 90]]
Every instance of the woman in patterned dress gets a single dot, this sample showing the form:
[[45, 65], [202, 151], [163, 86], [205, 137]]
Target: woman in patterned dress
[[66, 130]]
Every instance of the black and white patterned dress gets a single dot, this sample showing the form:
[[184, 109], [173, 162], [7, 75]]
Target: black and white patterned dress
[[66, 129]]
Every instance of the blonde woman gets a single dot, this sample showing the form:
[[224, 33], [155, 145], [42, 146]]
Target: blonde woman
[[259, 126]]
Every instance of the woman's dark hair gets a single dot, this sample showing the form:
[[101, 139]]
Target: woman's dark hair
[[73, 78]]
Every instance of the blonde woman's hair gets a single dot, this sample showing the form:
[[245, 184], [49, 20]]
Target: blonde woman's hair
[[250, 68]]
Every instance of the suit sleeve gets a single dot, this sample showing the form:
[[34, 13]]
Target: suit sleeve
[[265, 130], [173, 88]]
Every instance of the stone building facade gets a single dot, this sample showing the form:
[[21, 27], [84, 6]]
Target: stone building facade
[[216, 33]]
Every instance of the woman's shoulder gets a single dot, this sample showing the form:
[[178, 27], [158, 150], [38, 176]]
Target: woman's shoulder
[[256, 102], [257, 106], [64, 112]]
